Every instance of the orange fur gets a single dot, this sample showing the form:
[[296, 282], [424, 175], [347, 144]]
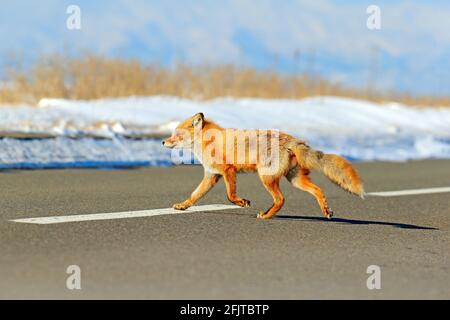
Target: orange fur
[[222, 156]]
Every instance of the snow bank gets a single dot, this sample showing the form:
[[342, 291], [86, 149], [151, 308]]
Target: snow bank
[[87, 152], [357, 129]]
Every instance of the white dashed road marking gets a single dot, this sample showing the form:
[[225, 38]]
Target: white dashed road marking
[[122, 215], [409, 192], [212, 207]]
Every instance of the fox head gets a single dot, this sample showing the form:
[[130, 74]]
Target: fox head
[[184, 134]]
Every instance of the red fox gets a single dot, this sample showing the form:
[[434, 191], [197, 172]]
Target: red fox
[[274, 155]]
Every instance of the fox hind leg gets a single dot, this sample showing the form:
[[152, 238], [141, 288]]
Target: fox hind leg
[[272, 184], [300, 179]]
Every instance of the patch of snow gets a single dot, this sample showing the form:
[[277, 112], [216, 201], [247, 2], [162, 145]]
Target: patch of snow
[[357, 129]]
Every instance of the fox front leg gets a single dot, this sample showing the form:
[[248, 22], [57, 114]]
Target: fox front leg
[[209, 181], [230, 184]]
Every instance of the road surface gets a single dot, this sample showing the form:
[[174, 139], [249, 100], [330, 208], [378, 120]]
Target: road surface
[[224, 254]]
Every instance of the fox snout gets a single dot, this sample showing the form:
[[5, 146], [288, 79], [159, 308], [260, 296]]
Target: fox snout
[[180, 139], [169, 143]]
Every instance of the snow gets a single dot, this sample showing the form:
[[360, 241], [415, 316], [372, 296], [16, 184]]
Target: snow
[[97, 133], [87, 152]]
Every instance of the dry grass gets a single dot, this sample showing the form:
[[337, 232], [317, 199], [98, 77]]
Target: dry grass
[[93, 77]]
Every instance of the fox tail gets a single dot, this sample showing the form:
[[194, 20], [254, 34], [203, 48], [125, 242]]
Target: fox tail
[[334, 167]]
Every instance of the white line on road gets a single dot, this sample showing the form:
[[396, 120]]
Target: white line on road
[[212, 207], [409, 192], [122, 215]]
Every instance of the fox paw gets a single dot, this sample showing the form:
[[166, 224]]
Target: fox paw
[[328, 213], [244, 203], [181, 206], [263, 216]]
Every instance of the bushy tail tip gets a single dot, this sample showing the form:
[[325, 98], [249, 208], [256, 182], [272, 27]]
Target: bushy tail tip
[[341, 172], [334, 167]]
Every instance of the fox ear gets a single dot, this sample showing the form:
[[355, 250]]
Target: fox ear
[[198, 119]]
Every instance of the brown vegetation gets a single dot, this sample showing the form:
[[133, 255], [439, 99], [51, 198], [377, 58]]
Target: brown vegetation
[[93, 77]]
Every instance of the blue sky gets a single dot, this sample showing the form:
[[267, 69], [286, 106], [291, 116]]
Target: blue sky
[[412, 49]]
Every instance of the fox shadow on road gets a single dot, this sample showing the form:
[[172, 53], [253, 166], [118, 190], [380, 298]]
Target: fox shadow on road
[[357, 222]]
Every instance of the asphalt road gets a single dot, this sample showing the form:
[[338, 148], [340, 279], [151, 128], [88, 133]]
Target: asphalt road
[[224, 254]]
